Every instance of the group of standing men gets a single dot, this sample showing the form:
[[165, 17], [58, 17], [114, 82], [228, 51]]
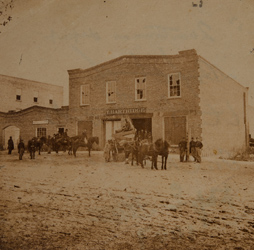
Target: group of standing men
[[21, 147], [195, 147]]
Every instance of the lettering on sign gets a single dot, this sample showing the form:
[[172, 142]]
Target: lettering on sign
[[125, 111], [40, 122]]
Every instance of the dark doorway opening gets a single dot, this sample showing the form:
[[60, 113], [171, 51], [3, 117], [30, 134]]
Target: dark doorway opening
[[61, 131], [143, 124]]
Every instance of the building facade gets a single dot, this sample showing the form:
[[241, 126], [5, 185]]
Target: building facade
[[17, 94], [170, 96]]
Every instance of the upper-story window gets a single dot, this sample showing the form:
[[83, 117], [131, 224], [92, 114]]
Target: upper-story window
[[36, 96], [174, 85], [85, 94], [140, 88], [111, 92], [18, 94]]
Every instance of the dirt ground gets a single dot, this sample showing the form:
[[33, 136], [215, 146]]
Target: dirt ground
[[62, 202]]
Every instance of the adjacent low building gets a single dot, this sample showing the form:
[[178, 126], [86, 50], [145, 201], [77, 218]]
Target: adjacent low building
[[28, 108], [31, 122]]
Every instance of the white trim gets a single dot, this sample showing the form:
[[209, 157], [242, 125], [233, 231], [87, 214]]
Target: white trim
[[174, 97], [40, 122], [107, 87], [81, 91]]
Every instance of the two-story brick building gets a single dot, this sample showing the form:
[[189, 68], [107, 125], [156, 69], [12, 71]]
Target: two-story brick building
[[168, 95]]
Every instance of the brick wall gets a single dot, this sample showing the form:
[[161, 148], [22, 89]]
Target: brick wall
[[9, 85], [222, 105]]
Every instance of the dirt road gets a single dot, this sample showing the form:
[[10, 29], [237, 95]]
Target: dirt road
[[62, 202]]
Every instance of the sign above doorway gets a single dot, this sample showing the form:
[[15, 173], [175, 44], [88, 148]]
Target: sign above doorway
[[125, 111]]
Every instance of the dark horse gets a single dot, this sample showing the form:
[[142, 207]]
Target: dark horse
[[61, 143], [152, 150], [146, 151], [39, 141], [161, 147], [80, 141], [131, 148]]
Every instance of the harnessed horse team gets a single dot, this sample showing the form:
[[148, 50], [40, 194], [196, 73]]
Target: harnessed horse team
[[140, 151]]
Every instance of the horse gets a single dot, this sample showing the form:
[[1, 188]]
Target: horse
[[80, 141], [161, 147], [131, 148], [153, 150], [146, 149], [39, 141], [64, 143]]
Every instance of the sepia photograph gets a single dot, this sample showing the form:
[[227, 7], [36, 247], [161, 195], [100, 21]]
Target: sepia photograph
[[127, 125]]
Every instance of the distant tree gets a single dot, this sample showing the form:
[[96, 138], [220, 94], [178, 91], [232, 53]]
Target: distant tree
[[6, 7]]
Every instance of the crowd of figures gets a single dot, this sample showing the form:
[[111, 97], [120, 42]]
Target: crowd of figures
[[55, 143], [140, 148], [195, 147]]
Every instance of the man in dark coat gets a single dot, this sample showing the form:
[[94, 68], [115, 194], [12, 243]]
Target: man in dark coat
[[10, 145], [21, 149], [198, 147], [183, 149], [32, 148]]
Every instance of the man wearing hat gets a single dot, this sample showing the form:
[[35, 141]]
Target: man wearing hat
[[183, 149], [193, 148], [198, 147], [32, 148], [21, 149], [10, 145]]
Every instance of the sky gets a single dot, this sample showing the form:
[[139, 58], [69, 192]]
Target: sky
[[45, 38]]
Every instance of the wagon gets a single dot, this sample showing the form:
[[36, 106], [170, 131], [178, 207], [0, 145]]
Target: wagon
[[119, 141], [114, 148]]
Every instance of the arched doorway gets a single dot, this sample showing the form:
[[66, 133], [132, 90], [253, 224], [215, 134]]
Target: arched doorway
[[14, 132]]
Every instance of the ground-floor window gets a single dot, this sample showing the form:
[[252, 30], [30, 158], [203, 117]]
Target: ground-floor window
[[41, 132], [175, 129]]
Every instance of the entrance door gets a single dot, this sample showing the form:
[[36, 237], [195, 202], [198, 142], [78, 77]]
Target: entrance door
[[143, 124], [111, 127], [14, 132], [175, 129]]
